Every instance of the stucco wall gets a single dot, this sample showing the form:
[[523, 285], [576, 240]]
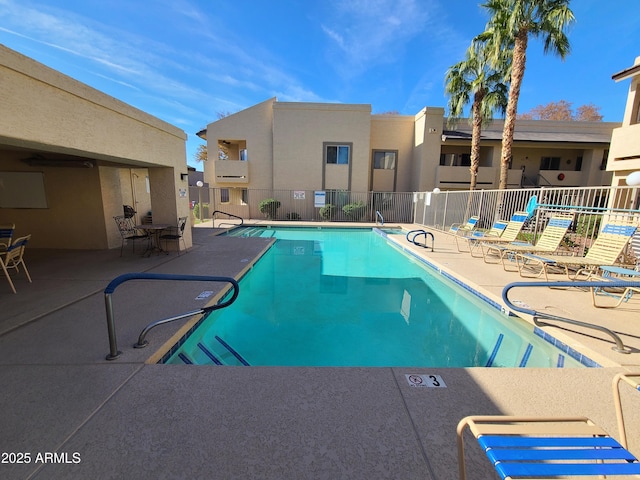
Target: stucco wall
[[301, 129], [426, 157], [393, 132], [74, 213], [40, 106]]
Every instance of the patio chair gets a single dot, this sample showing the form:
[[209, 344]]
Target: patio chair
[[548, 242], [176, 234], [508, 235], [6, 234], [549, 447], [605, 251], [14, 258], [128, 231], [474, 236], [471, 224], [128, 210]]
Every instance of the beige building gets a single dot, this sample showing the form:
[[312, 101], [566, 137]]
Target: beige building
[[71, 157], [624, 155], [318, 146]]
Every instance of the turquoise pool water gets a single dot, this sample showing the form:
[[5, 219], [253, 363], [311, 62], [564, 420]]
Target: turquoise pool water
[[348, 297]]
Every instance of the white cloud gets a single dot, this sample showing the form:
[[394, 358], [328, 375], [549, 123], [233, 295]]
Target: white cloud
[[373, 32]]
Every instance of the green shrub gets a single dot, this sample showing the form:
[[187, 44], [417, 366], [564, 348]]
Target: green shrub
[[588, 225], [354, 210], [269, 207], [327, 212], [205, 211]]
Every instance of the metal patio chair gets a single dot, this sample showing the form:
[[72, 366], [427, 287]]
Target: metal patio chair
[[176, 234], [128, 231]]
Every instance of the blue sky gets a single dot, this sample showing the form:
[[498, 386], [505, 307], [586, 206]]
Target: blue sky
[[186, 60]]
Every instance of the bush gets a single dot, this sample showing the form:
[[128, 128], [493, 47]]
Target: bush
[[205, 211], [354, 210], [588, 225], [269, 207], [327, 212]]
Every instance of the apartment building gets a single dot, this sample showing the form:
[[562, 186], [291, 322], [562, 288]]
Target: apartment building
[[322, 146]]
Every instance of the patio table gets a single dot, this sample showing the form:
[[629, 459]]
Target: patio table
[[154, 230]]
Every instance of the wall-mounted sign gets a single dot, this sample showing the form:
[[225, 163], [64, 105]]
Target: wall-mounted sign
[[319, 199]]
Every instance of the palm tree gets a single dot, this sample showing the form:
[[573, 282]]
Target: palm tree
[[509, 28], [474, 76]]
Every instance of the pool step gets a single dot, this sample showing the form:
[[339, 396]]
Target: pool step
[[218, 353], [245, 232]]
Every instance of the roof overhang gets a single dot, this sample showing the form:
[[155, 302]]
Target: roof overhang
[[626, 73], [557, 137]]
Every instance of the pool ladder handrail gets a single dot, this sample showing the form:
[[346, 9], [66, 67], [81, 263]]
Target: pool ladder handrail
[[379, 216], [619, 347], [230, 215], [116, 282], [420, 232]]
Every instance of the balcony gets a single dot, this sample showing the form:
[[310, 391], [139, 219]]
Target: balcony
[[624, 150], [458, 177], [231, 171]]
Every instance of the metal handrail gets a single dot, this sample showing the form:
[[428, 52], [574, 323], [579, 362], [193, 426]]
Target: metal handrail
[[230, 215], [116, 282], [420, 232], [583, 284], [379, 215]]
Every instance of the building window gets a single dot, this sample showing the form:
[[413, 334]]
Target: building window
[[224, 195], [337, 154], [578, 166], [550, 163], [605, 157], [383, 160], [245, 196]]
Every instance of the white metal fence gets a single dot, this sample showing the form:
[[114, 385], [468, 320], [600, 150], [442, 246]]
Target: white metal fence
[[589, 205], [295, 205]]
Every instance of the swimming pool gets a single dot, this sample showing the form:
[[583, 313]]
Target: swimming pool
[[349, 297]]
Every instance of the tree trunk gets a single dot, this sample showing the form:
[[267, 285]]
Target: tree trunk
[[517, 73], [475, 138]]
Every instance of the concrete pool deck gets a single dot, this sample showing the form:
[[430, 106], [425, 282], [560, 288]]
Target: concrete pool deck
[[129, 419]]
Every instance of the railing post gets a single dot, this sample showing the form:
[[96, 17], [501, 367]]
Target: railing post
[[111, 328]]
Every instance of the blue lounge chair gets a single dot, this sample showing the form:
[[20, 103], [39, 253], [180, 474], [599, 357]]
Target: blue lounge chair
[[461, 228], [535, 447]]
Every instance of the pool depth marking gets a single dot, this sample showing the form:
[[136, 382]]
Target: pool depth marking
[[425, 381]]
